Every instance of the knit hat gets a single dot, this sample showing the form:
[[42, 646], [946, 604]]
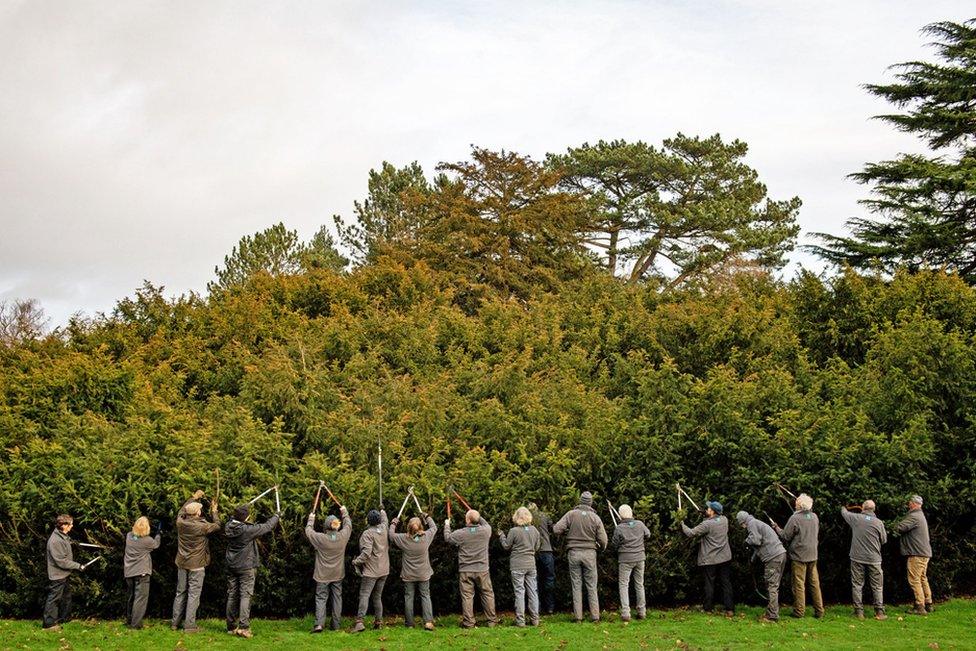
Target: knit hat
[[241, 512], [373, 518], [586, 498], [715, 506], [740, 517]]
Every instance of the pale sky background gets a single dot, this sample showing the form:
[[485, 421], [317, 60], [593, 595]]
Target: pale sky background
[[142, 140]]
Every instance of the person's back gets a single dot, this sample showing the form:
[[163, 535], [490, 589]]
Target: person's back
[[472, 545], [802, 534], [193, 544], [585, 534], [583, 528], [330, 549], [867, 536], [415, 556], [713, 540], [472, 549], [242, 549], [628, 537]]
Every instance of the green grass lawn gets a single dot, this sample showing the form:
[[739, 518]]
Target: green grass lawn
[[952, 626]]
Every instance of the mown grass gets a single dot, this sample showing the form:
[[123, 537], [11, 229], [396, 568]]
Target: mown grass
[[952, 626]]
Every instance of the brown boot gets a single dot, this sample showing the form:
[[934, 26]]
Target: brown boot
[[359, 626], [879, 615], [929, 607], [917, 609], [428, 626]]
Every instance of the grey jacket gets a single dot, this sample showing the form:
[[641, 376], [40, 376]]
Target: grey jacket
[[761, 537], [713, 547], [137, 560], [544, 525], [523, 542], [415, 557], [914, 533], [472, 544], [330, 549], [628, 537], [801, 535], [242, 546], [374, 550], [583, 528], [867, 536], [60, 558]]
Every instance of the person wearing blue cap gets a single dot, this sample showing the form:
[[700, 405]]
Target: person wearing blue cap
[[714, 554]]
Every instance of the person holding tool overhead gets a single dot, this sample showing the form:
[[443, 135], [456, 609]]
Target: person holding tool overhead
[[330, 568]]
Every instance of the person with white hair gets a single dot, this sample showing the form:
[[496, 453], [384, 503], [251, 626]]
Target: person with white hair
[[628, 537], [523, 540], [585, 534], [192, 559], [801, 535], [914, 543], [867, 536], [472, 545]]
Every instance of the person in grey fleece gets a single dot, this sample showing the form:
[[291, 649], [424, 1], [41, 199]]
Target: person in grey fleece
[[913, 531], [415, 568], [243, 561], [523, 541], [867, 536], [628, 537], [801, 535], [473, 572], [545, 561], [60, 565], [714, 554], [330, 568], [373, 565], [585, 534], [769, 550], [136, 569]]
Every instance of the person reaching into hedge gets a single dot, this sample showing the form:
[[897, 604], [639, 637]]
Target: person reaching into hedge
[[867, 536], [60, 565], [585, 534], [373, 566], [523, 540], [801, 535], [330, 567], [714, 555], [243, 561], [914, 544], [415, 569], [473, 571], [628, 537], [137, 568], [545, 561], [768, 548], [192, 559]]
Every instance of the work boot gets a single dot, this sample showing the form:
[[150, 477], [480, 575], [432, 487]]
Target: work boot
[[428, 626], [377, 624], [764, 619], [317, 629], [929, 607], [917, 609], [641, 614], [819, 614], [859, 614], [245, 633], [359, 627], [625, 618], [879, 614], [730, 614], [534, 621]]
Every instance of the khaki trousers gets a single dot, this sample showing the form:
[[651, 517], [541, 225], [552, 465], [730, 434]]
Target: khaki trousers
[[468, 581], [805, 574], [918, 578]]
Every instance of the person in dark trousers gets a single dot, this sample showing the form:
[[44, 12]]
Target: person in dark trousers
[[628, 537], [768, 548], [373, 565], [473, 568], [523, 541], [585, 534], [243, 561], [192, 559], [801, 536], [415, 569], [330, 567], [60, 565], [714, 555], [913, 531], [545, 561], [867, 536], [137, 569]]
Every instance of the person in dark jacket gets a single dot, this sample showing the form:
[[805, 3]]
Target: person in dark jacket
[[545, 561], [628, 537], [867, 536], [373, 565], [192, 559], [60, 565], [415, 569], [585, 534], [914, 544], [137, 568], [714, 555], [801, 536], [243, 561], [330, 568], [523, 541], [473, 566], [769, 550]]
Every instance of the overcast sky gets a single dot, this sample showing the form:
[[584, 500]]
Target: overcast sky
[[142, 140]]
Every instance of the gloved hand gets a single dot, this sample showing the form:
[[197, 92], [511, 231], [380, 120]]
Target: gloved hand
[[447, 523], [395, 521], [342, 509]]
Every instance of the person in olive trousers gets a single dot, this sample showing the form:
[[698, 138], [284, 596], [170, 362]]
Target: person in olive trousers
[[243, 561], [192, 559], [473, 570], [714, 555], [415, 568], [330, 567], [913, 531], [60, 565], [137, 569], [801, 536], [523, 542], [373, 565]]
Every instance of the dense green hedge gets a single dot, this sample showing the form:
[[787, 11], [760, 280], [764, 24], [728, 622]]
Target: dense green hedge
[[847, 388]]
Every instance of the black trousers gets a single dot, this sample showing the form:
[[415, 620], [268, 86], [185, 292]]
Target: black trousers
[[57, 608], [724, 572], [135, 605], [546, 571]]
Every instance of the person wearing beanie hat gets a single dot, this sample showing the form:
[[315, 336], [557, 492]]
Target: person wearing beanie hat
[[801, 535], [585, 534], [769, 550], [628, 537], [714, 555], [243, 561], [373, 565], [914, 544], [330, 568], [867, 536], [192, 559], [415, 569]]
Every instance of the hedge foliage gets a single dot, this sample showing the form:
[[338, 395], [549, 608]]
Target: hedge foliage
[[848, 388]]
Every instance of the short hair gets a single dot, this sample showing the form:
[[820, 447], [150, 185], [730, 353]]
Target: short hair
[[471, 517], [625, 511], [804, 502], [193, 508], [141, 526], [414, 526], [868, 505], [522, 516], [63, 520], [916, 499]]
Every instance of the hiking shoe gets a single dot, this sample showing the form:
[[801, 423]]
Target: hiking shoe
[[377, 624], [819, 615], [245, 633], [768, 620], [730, 614], [641, 615], [859, 614], [880, 615], [53, 627], [359, 627], [625, 618], [917, 610], [428, 626], [317, 629], [929, 607]]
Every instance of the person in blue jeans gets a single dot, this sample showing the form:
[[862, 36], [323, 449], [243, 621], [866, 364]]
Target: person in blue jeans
[[545, 561]]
